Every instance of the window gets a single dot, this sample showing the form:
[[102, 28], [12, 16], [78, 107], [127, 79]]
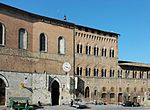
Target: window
[[88, 70], [104, 89], [61, 45], [96, 50], [142, 90], [88, 49], [111, 53], [135, 89], [120, 89], [23, 38], [134, 74], [43, 42], [2, 34], [87, 92], [95, 92], [128, 89], [119, 73], [112, 95], [95, 72], [112, 89], [148, 75], [79, 48], [141, 75], [79, 71], [104, 95], [104, 52], [103, 72], [127, 74], [112, 73]]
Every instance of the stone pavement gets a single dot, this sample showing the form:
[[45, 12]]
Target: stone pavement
[[91, 107]]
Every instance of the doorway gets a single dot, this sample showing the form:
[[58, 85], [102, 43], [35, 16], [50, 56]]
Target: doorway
[[55, 93], [135, 99], [2, 92], [120, 98]]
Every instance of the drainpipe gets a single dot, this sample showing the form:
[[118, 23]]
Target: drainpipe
[[74, 95]]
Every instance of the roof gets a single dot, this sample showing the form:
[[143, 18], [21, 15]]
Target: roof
[[36, 16], [135, 64], [47, 19]]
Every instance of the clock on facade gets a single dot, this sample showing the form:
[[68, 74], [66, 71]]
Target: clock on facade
[[66, 67]]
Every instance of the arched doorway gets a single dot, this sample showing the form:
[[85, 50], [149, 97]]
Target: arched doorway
[[135, 99], [87, 92], [55, 93], [120, 98], [2, 92]]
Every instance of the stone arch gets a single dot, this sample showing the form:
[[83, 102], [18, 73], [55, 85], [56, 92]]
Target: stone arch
[[55, 91], [95, 90], [55, 79], [3, 85], [5, 80], [87, 92]]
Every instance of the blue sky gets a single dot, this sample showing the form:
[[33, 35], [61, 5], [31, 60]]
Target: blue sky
[[129, 18]]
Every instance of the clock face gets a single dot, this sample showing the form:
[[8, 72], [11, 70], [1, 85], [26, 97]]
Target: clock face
[[66, 67]]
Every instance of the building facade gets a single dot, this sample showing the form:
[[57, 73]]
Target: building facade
[[54, 61]]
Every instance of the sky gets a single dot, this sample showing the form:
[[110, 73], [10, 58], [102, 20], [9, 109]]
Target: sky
[[129, 18]]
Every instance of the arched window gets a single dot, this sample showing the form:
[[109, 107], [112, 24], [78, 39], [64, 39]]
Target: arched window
[[119, 73], [112, 73], [61, 45], [111, 53], [104, 52], [128, 89], [87, 92], [104, 89], [95, 92], [127, 74], [112, 89], [2, 34], [148, 75], [43, 42], [79, 71], [79, 48], [141, 74], [134, 74], [88, 71], [135, 89], [142, 89], [95, 71], [96, 50], [103, 72], [23, 38], [120, 89], [88, 49], [112, 95]]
